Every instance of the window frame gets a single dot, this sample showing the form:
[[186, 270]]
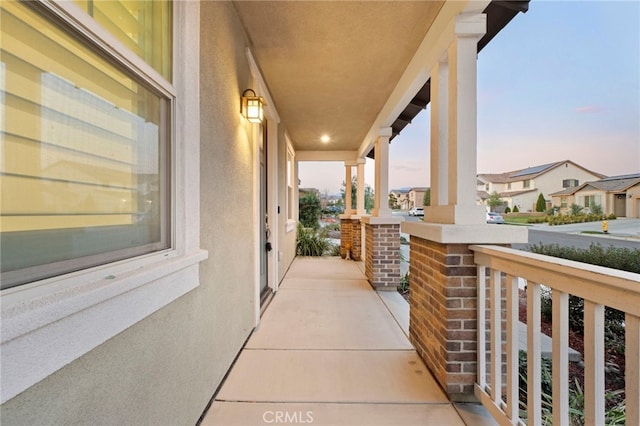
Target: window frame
[[72, 314], [290, 186], [71, 19]]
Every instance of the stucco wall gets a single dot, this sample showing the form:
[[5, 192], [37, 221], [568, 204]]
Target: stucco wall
[[165, 368]]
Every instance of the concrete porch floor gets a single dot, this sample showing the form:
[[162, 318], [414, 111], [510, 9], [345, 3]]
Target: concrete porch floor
[[329, 351]]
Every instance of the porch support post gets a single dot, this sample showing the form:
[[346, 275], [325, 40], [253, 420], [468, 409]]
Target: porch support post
[[350, 226], [439, 135], [443, 323], [442, 272], [360, 195], [347, 188], [459, 205], [381, 194]]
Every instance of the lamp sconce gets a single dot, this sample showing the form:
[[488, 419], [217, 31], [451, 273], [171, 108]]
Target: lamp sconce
[[629, 195], [252, 106]]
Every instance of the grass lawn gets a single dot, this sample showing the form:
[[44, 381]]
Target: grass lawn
[[518, 220]]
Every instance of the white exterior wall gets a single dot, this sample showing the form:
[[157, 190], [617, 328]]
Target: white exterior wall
[[187, 317]]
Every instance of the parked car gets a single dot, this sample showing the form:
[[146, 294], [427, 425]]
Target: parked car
[[416, 211], [494, 218]]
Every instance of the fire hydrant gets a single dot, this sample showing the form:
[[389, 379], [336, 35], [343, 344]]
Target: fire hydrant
[[605, 227]]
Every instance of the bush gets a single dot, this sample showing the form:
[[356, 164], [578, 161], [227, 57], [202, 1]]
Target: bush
[[309, 243], [541, 203], [614, 415], [515, 209], [507, 210]]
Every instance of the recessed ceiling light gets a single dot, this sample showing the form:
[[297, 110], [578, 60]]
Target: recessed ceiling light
[[325, 138]]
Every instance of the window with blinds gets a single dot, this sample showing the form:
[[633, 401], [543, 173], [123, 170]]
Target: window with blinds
[[143, 26], [84, 150]]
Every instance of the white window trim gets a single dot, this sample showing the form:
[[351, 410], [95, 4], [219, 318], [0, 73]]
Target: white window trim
[[291, 171], [50, 323]]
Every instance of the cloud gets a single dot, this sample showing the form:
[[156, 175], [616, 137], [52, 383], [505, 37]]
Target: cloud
[[588, 109]]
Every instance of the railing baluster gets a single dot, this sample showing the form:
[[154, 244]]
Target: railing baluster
[[632, 369], [482, 340], [594, 363], [534, 400], [560, 351], [513, 305], [496, 337], [598, 286]]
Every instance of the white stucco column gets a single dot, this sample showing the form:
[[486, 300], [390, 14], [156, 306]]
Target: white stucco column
[[347, 188], [455, 201], [439, 134], [381, 194], [360, 195]]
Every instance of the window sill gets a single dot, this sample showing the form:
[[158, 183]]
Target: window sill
[[47, 325], [290, 226]]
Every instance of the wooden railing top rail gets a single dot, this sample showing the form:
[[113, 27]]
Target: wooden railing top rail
[[606, 286]]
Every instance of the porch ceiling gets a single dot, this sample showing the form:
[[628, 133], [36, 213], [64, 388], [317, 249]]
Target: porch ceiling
[[331, 66]]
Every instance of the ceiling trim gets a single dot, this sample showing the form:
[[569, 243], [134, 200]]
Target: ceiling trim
[[326, 155]]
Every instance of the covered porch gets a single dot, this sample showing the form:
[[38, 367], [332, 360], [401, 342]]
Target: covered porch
[[330, 350]]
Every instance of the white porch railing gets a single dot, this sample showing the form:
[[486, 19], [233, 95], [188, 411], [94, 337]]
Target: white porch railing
[[598, 286]]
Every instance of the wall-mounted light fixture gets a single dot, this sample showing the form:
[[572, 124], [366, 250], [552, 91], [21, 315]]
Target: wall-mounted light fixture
[[252, 106]]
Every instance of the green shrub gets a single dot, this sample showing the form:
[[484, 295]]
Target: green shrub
[[507, 210], [596, 209], [515, 209], [309, 243], [404, 283], [541, 203], [614, 415], [575, 209]]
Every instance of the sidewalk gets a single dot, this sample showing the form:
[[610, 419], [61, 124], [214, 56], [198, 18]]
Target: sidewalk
[[328, 351]]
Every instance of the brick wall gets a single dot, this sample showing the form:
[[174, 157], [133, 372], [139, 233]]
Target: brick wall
[[382, 259], [350, 238], [443, 322]]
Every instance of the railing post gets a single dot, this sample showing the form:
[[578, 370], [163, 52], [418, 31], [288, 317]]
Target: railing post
[[632, 367], [560, 351], [594, 363], [534, 364]]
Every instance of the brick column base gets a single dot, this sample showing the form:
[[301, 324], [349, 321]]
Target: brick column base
[[382, 258], [350, 238], [443, 318]]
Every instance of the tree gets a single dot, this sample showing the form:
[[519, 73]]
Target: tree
[[494, 201], [310, 210], [368, 195], [541, 203], [393, 201], [426, 201]]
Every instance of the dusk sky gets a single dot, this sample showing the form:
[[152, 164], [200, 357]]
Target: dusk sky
[[560, 82]]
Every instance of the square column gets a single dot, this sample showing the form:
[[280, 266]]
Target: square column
[[360, 193], [347, 188], [382, 257], [350, 237], [443, 298], [454, 138], [381, 190]]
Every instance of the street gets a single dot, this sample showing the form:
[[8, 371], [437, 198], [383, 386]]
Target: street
[[623, 233]]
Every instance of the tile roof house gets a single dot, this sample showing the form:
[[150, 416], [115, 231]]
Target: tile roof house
[[522, 187], [619, 195]]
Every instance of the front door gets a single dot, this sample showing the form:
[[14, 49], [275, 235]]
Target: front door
[[265, 231]]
